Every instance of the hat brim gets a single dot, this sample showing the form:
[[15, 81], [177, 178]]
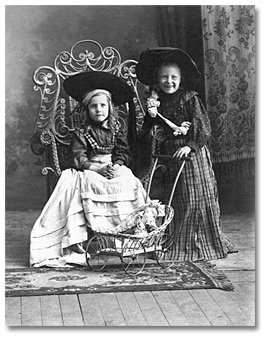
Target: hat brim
[[151, 59], [77, 86]]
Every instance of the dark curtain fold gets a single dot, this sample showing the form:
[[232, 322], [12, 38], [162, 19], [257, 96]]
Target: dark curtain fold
[[180, 26]]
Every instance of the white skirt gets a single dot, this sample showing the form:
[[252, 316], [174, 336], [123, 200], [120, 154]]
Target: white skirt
[[79, 201]]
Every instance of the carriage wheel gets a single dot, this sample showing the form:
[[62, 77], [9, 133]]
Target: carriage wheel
[[95, 259], [165, 251], [133, 257]]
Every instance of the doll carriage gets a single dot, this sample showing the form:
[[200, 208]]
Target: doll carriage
[[133, 248], [56, 119]]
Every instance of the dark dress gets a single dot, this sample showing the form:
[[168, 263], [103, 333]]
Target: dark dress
[[98, 138], [196, 225]]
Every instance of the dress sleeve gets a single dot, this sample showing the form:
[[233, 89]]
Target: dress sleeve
[[200, 130], [121, 152], [79, 150], [148, 122]]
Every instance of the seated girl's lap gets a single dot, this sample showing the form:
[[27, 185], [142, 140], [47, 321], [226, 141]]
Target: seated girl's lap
[[122, 171]]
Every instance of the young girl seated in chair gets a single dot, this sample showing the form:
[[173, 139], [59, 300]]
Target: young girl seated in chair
[[100, 190]]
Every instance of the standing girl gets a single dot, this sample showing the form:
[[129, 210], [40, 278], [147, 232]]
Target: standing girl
[[100, 190], [196, 227]]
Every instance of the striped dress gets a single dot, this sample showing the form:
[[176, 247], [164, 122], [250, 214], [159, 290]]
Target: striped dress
[[196, 226]]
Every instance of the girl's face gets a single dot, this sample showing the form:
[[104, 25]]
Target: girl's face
[[98, 108], [169, 78]]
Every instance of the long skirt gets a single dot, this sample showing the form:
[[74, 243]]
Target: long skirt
[[196, 226], [81, 200]]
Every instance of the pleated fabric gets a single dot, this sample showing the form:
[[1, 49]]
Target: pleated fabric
[[196, 226], [106, 203], [81, 200]]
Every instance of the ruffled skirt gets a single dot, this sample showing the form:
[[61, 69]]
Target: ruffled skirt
[[81, 200]]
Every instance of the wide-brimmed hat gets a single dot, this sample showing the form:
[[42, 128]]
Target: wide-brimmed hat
[[151, 59], [77, 86]]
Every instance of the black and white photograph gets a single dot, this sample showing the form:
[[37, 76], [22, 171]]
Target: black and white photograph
[[130, 165]]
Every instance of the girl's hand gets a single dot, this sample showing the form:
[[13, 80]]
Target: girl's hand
[[183, 151], [153, 111], [107, 171]]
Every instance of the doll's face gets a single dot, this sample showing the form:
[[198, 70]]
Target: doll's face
[[169, 78], [98, 108]]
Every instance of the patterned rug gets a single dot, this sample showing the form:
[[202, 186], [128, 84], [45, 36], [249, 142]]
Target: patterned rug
[[57, 281]]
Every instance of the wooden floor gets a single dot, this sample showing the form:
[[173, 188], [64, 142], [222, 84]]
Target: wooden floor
[[147, 308]]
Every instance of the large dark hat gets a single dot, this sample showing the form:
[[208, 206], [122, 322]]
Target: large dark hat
[[151, 59], [79, 85]]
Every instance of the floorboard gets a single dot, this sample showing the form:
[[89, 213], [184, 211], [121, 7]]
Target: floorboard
[[249, 288], [150, 309], [111, 311], [169, 307], [71, 311], [245, 302], [231, 308], [13, 311], [51, 311], [91, 310], [131, 309], [31, 311], [193, 313], [210, 308]]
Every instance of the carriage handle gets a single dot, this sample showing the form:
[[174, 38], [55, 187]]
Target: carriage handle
[[161, 156]]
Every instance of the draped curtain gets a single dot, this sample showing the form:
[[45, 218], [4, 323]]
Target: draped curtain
[[229, 64]]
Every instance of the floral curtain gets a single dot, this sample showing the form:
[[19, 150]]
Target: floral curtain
[[229, 62]]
